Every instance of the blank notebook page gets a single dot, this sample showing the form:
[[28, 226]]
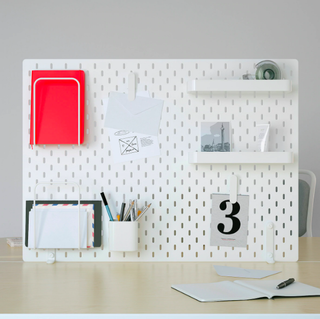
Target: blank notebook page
[[268, 287]]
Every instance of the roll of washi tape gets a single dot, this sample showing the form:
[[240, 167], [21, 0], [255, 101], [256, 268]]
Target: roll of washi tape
[[268, 70]]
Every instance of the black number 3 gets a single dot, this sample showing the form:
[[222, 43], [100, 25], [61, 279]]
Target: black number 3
[[235, 221]]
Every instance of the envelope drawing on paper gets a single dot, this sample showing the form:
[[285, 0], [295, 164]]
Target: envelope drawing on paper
[[129, 145]]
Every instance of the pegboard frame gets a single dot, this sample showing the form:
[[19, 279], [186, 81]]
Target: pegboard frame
[[178, 226]]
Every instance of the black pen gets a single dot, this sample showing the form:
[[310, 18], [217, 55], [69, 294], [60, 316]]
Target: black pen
[[107, 206], [122, 211], [285, 283]]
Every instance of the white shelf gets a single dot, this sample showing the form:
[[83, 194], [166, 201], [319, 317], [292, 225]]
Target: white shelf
[[241, 158], [239, 85]]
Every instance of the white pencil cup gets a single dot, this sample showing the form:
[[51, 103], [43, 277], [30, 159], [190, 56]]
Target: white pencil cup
[[123, 236]]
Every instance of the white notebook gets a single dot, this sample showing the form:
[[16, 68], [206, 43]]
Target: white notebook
[[244, 290]]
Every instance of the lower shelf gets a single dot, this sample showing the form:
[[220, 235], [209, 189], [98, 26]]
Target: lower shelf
[[241, 158]]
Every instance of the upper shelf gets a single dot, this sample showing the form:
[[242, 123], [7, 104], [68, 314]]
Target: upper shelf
[[239, 85], [241, 158]]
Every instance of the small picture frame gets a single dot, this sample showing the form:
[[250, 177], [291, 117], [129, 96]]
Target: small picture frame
[[215, 137]]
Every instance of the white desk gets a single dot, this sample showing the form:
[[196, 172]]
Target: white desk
[[107, 287]]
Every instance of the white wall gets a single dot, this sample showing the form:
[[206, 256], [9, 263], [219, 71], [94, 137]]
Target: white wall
[[152, 29]]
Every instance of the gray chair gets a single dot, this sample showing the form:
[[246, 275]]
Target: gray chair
[[307, 186]]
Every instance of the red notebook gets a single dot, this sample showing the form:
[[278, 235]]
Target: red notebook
[[57, 107]]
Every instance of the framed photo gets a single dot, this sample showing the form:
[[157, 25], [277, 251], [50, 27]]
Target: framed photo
[[215, 137]]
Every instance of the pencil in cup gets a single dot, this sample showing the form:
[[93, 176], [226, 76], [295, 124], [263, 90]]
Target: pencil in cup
[[128, 211], [140, 211], [143, 212]]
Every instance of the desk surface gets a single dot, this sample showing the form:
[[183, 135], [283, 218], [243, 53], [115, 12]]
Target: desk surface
[[140, 287]]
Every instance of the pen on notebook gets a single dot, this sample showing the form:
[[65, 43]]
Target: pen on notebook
[[143, 212], [128, 211], [122, 211], [107, 206], [285, 283]]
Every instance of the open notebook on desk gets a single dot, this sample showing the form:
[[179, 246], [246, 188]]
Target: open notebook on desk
[[244, 290], [56, 224]]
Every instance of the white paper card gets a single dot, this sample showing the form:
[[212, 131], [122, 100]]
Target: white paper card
[[58, 227], [229, 222], [243, 272]]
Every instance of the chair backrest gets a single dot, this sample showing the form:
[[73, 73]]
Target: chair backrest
[[307, 187]]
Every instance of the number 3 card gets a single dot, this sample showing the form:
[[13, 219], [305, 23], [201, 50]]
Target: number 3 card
[[229, 222]]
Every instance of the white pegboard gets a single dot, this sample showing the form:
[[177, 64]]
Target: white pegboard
[[177, 228]]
